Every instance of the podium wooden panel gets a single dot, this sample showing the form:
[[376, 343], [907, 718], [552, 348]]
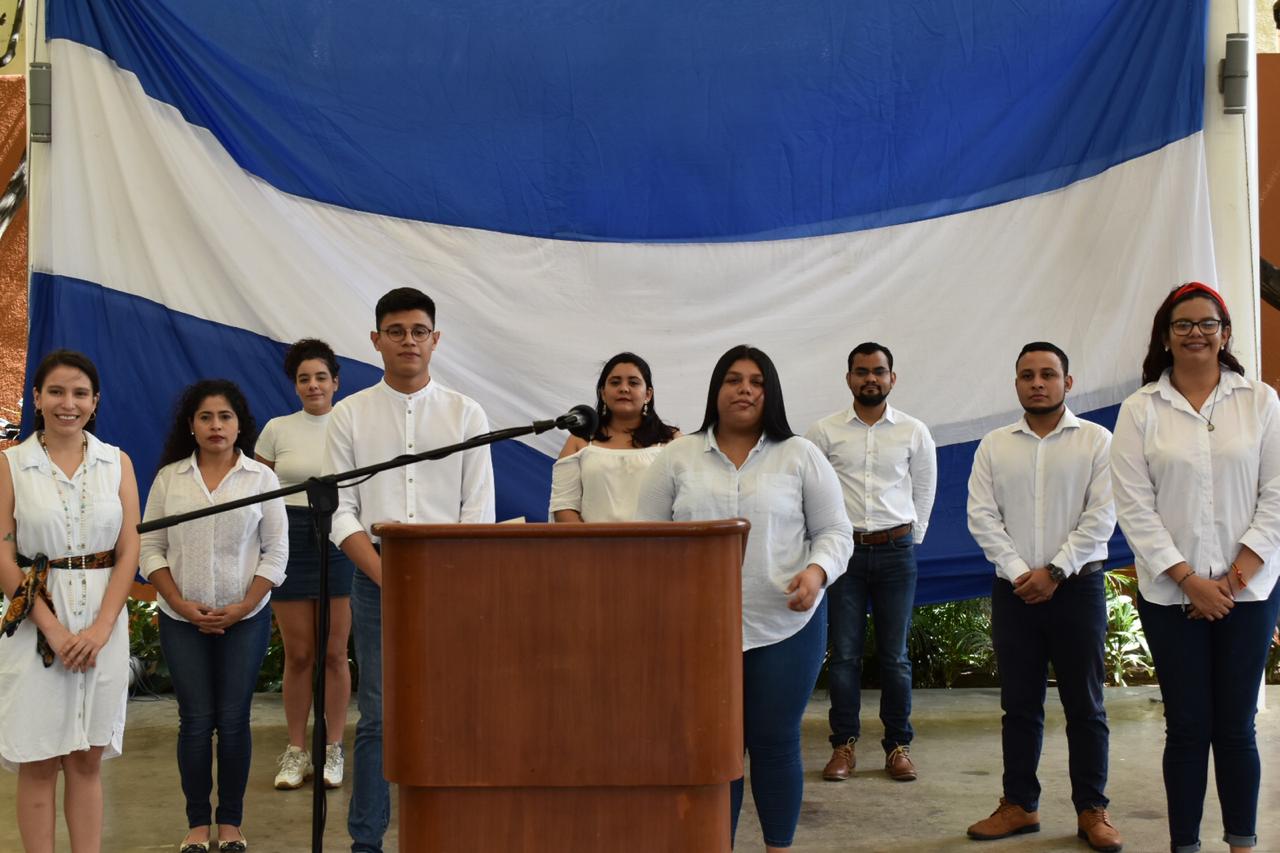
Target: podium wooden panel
[[567, 687]]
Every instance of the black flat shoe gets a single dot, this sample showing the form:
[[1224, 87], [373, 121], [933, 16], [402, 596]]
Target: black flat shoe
[[194, 847], [233, 846]]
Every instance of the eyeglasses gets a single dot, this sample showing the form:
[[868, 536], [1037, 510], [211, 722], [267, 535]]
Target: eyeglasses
[[1184, 327], [877, 372], [418, 333]]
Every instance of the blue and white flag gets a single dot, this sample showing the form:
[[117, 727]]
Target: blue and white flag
[[951, 178]]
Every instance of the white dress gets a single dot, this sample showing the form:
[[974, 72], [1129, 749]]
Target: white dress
[[50, 712], [599, 483]]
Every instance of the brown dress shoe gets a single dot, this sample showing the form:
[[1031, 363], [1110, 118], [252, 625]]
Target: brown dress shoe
[[898, 764], [1008, 819], [1095, 827], [842, 762]]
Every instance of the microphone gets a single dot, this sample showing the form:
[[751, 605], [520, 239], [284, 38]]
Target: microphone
[[581, 421]]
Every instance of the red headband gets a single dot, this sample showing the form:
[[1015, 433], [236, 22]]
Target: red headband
[[1198, 287]]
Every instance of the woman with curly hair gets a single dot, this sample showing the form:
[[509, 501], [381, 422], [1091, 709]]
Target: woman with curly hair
[[214, 577]]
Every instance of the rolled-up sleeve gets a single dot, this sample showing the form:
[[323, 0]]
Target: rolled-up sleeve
[[273, 536], [154, 553], [827, 523], [339, 455], [1263, 535], [1135, 494], [478, 502]]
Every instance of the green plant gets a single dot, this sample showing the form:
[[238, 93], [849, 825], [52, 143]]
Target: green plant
[[952, 641], [1126, 655]]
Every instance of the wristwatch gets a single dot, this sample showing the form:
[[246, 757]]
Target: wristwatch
[[1056, 573]]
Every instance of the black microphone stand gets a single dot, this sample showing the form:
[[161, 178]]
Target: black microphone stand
[[322, 500]]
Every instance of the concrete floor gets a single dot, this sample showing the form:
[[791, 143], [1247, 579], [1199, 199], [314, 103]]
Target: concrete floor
[[957, 751]]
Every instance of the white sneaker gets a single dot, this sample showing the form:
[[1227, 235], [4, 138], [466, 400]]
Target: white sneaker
[[333, 765], [295, 768]]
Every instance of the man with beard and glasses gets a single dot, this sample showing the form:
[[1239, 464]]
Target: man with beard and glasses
[[1040, 507], [887, 466]]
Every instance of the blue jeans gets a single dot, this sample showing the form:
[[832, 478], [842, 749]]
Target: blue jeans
[[1068, 631], [885, 576], [1209, 674], [777, 681], [370, 810], [213, 677]]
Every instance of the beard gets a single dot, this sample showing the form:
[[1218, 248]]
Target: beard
[[871, 400], [1044, 410]]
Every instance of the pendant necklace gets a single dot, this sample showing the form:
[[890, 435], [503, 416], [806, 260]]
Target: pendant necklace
[[66, 511], [1209, 420]]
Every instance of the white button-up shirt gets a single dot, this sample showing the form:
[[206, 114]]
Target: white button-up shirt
[[379, 423], [790, 495], [214, 559], [888, 470], [1187, 494], [1035, 501]]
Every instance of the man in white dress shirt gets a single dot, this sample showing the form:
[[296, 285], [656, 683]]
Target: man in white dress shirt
[[407, 412], [887, 465], [1040, 507]]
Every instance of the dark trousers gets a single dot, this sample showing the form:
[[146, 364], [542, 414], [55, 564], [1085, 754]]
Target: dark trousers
[[883, 576], [777, 681], [1209, 675], [213, 678], [1068, 631]]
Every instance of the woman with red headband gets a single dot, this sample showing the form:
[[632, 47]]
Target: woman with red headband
[[1196, 474]]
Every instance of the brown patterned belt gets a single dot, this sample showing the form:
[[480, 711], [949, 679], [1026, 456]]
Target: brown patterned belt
[[882, 537], [100, 560], [34, 588]]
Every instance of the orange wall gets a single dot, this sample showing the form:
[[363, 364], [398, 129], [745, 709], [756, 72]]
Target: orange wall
[[1269, 200]]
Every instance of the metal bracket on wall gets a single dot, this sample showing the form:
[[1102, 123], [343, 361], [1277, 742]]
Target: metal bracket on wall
[[40, 92]]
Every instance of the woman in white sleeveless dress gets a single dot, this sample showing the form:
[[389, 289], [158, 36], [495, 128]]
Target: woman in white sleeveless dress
[[68, 554], [597, 480]]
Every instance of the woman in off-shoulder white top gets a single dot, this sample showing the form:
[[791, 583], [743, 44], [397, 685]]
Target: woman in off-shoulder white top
[[598, 480]]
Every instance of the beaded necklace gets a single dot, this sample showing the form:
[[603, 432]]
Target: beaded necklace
[[66, 512]]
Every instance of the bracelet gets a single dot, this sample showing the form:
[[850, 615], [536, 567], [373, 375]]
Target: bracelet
[[1239, 576], [1189, 573]]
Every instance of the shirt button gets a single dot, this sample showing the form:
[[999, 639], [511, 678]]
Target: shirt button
[[411, 411], [411, 515], [410, 479], [411, 444]]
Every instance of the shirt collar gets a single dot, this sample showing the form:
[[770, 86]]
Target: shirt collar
[[1228, 382], [1067, 421], [890, 415], [408, 398], [710, 444], [31, 455], [243, 463]]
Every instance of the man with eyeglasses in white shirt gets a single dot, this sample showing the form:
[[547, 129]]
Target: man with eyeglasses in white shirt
[[407, 412], [887, 465], [1040, 508]]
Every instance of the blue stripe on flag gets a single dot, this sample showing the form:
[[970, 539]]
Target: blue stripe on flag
[[139, 344], [147, 354], [665, 120]]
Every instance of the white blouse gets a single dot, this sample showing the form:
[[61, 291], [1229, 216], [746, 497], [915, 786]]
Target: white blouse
[[214, 559], [294, 445], [1187, 493], [600, 483], [787, 490]]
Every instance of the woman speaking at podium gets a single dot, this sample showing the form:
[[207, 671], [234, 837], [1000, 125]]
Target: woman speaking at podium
[[745, 462], [597, 480]]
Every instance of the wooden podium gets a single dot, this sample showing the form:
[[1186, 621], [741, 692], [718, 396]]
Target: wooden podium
[[563, 687]]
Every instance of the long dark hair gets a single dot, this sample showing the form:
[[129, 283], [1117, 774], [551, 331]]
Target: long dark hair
[[1159, 358], [64, 358], [652, 429], [181, 443], [774, 416]]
